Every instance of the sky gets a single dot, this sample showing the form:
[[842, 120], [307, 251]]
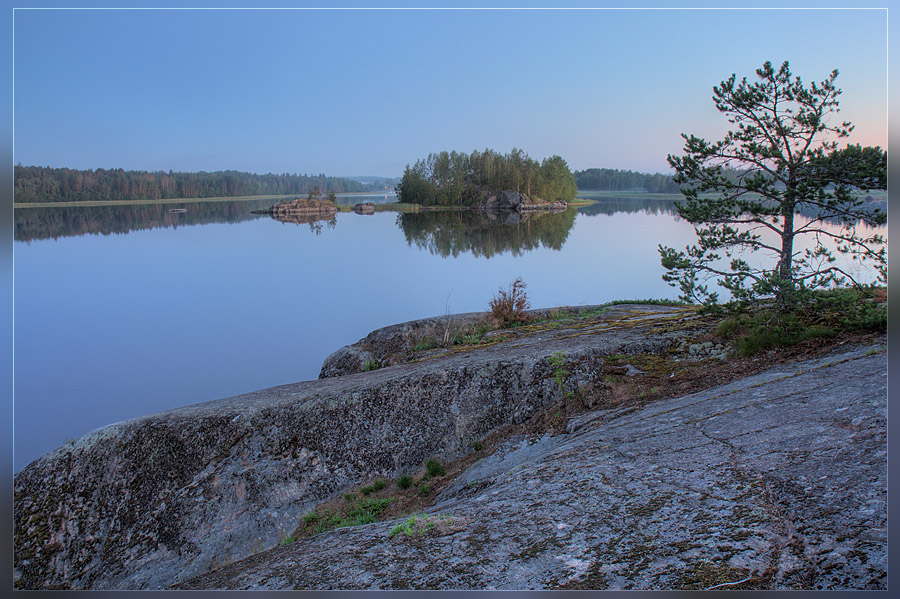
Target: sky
[[365, 92]]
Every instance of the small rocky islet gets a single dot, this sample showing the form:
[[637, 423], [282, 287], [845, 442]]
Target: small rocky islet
[[503, 201], [301, 207]]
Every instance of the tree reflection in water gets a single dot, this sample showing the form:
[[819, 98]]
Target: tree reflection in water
[[485, 234], [53, 223]]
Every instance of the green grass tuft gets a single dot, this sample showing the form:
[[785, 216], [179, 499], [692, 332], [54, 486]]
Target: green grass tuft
[[425, 345], [434, 468], [365, 511], [375, 486], [823, 314], [650, 301]]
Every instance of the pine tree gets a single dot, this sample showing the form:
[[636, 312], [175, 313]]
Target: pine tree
[[782, 158]]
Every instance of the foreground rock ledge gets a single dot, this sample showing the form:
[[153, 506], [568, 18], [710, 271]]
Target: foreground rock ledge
[[162, 499], [151, 501], [777, 480]]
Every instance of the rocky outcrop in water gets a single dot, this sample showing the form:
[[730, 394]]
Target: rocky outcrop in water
[[519, 202], [301, 207], [364, 208]]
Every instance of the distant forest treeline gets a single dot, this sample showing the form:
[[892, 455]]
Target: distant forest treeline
[[455, 178], [607, 179], [440, 178], [45, 184]]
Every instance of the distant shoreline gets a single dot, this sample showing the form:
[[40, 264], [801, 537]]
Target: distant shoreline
[[630, 192], [385, 206], [89, 203]]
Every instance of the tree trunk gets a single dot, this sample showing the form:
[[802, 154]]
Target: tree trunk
[[785, 288]]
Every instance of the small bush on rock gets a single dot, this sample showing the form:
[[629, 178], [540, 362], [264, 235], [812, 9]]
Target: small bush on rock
[[510, 307]]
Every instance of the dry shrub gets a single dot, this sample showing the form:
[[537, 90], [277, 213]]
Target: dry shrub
[[509, 307]]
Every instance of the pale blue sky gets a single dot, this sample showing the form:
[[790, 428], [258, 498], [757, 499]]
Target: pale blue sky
[[366, 92]]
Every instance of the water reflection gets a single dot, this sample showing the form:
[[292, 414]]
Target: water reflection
[[485, 234], [444, 233], [375, 198], [612, 205], [53, 223], [315, 221], [609, 205], [117, 326]]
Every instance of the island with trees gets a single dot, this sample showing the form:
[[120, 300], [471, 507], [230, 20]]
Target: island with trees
[[488, 180]]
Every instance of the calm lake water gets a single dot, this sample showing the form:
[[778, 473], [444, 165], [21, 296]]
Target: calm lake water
[[129, 310]]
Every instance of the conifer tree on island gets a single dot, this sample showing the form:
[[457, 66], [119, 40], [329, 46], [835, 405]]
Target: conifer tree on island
[[786, 156], [455, 178]]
